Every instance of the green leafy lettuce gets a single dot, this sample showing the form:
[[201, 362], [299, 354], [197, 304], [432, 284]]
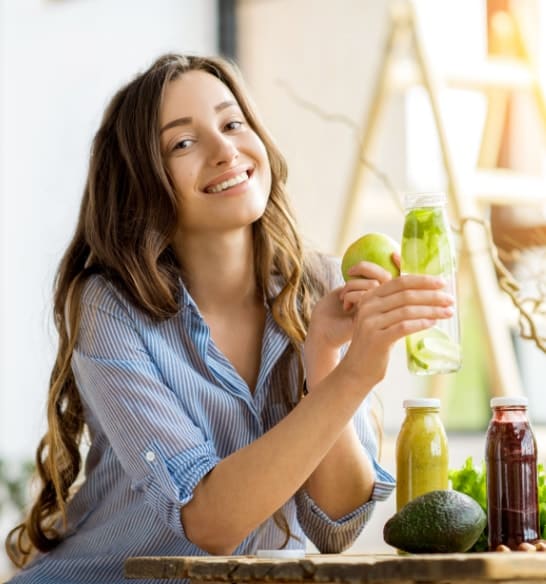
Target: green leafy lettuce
[[472, 482]]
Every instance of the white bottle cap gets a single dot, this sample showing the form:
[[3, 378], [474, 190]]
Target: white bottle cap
[[424, 199], [421, 402], [518, 400], [291, 554]]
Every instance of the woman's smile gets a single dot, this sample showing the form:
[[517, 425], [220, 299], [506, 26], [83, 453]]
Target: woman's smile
[[224, 183]]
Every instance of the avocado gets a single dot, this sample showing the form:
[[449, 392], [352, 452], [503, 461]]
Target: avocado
[[439, 521]]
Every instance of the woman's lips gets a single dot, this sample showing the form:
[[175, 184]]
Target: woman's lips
[[228, 180]]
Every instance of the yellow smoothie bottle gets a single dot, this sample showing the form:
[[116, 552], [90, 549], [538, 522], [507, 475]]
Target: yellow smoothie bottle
[[421, 451]]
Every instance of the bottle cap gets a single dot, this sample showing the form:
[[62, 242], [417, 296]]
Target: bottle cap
[[509, 401], [292, 554], [421, 402], [424, 199]]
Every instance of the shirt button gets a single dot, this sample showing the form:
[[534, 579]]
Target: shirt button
[[150, 456]]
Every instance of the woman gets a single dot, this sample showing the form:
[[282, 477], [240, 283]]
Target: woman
[[190, 322]]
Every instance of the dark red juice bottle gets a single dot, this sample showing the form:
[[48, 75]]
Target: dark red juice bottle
[[511, 462]]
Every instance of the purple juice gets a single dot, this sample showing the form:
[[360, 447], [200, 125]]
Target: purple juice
[[511, 459]]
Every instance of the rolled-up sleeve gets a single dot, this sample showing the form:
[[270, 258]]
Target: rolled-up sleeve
[[155, 440], [334, 536]]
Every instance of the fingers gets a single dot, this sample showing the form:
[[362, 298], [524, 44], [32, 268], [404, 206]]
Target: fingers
[[407, 298], [397, 307], [359, 285], [405, 305], [350, 300], [409, 291], [412, 282], [351, 294], [392, 287], [370, 271], [387, 335], [410, 313], [396, 324]]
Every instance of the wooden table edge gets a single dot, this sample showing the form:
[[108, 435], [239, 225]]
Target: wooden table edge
[[345, 568]]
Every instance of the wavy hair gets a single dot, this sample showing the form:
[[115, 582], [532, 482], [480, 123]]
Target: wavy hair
[[125, 234]]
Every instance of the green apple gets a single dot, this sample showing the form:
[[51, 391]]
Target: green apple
[[372, 247]]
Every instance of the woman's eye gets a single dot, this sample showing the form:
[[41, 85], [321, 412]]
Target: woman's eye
[[183, 144], [234, 125]]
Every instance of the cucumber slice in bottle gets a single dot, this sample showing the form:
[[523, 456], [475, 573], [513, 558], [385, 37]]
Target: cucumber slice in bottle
[[416, 363], [437, 349], [432, 349], [415, 255]]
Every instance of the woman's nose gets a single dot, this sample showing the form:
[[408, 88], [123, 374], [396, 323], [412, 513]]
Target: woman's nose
[[222, 150]]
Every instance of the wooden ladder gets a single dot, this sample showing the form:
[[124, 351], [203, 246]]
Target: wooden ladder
[[466, 197]]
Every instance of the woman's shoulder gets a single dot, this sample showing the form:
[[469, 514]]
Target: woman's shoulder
[[100, 293]]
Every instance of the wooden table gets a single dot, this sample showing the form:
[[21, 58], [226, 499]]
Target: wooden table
[[505, 568]]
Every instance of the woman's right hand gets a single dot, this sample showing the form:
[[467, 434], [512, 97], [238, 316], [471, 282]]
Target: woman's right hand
[[386, 313]]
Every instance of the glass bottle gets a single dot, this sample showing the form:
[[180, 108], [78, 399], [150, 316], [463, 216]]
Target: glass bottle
[[428, 248], [421, 451], [511, 467]]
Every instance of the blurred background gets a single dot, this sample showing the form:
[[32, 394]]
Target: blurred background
[[458, 88]]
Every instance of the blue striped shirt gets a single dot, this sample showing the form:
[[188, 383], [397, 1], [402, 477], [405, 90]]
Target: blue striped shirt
[[163, 406]]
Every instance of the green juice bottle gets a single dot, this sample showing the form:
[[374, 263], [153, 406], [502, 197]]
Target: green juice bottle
[[427, 248]]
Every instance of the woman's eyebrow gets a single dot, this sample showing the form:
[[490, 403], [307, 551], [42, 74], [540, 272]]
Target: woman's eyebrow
[[225, 104], [188, 119]]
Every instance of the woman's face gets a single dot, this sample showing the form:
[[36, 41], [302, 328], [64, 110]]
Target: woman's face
[[218, 164]]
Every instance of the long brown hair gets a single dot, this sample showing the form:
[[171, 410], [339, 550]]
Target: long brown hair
[[127, 220]]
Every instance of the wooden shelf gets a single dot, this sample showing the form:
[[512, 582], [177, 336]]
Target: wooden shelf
[[491, 73]]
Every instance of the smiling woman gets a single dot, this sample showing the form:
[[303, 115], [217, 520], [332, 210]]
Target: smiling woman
[[210, 148], [189, 318]]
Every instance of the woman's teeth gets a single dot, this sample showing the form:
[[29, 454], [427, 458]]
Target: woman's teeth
[[228, 183]]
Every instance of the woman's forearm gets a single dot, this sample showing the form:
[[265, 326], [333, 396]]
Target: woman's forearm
[[247, 487], [344, 479]]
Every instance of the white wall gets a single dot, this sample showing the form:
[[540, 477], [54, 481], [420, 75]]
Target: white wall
[[61, 61], [3, 222], [328, 53]]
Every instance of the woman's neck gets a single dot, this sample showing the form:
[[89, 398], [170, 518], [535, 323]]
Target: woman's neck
[[219, 269]]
